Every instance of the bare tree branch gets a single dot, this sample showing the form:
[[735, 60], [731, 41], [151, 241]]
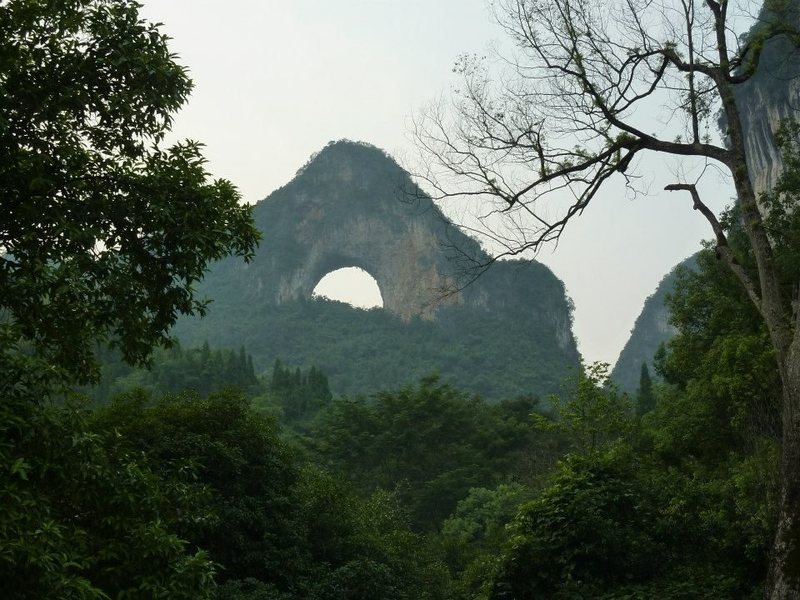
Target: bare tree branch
[[723, 249]]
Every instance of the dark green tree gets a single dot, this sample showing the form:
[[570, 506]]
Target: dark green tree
[[282, 529], [300, 395], [175, 369], [593, 415], [83, 516], [645, 399], [582, 536], [476, 533], [105, 231], [431, 443], [236, 454]]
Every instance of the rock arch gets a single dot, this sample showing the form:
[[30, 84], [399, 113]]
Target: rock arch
[[352, 205], [347, 207], [336, 284]]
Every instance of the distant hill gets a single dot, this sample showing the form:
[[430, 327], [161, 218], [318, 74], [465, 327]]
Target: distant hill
[[652, 328], [509, 333]]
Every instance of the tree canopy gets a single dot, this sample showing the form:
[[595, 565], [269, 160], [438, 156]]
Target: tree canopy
[[104, 232], [105, 229]]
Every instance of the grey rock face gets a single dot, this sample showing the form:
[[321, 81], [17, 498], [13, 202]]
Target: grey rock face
[[770, 96], [353, 206], [346, 214]]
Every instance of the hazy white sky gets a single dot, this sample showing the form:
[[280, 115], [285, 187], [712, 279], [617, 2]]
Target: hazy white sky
[[275, 80]]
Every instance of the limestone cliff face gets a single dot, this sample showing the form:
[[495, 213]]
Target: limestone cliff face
[[348, 207], [770, 96], [352, 205]]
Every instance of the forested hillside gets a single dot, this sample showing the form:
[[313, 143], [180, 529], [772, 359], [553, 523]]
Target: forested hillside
[[366, 350], [201, 370]]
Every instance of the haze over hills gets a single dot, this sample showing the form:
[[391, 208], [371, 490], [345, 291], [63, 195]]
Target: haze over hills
[[508, 333]]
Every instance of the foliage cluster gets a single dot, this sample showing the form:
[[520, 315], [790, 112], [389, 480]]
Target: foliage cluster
[[85, 516], [176, 369], [299, 395], [281, 528], [104, 230], [341, 341], [431, 444]]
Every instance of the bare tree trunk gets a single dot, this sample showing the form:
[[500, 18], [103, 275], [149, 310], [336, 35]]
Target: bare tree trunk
[[783, 582], [783, 579]]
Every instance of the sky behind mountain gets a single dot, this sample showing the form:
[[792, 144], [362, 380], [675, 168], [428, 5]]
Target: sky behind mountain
[[275, 81]]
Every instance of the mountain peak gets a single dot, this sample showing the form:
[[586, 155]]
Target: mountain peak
[[348, 156]]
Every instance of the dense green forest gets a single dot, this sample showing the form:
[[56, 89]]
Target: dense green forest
[[174, 369], [341, 340], [135, 468], [428, 492]]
